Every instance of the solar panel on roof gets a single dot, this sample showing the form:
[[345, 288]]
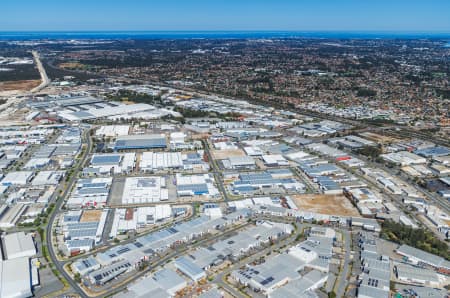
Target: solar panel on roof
[[123, 250], [148, 251], [267, 280], [94, 185]]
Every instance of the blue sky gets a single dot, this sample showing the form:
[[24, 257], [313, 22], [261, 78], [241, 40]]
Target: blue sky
[[168, 15]]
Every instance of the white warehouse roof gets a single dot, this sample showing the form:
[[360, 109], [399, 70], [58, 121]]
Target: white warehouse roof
[[15, 278], [18, 245]]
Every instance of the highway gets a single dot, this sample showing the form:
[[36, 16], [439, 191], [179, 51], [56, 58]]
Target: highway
[[59, 202], [44, 78]]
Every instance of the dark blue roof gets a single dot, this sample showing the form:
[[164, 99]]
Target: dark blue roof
[[433, 151]]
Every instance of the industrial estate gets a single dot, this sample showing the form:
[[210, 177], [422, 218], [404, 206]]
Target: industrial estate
[[115, 186]]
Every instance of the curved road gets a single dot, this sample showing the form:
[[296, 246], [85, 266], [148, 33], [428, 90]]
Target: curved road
[[48, 230]]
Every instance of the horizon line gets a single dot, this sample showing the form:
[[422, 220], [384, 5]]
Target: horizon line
[[234, 30]]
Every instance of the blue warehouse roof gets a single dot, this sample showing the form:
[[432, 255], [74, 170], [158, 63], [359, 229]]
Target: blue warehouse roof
[[433, 151], [105, 159], [195, 188], [140, 144]]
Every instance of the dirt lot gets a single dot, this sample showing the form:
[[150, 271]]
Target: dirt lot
[[325, 204], [71, 65], [223, 154], [19, 85], [91, 215], [378, 138]]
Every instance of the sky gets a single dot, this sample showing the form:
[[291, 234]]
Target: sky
[[226, 15]]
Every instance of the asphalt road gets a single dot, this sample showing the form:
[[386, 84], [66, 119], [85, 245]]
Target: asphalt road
[[216, 172], [48, 230], [42, 72], [163, 260], [342, 278], [220, 278]]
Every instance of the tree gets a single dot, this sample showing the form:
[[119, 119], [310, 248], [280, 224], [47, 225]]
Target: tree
[[418, 238], [77, 277]]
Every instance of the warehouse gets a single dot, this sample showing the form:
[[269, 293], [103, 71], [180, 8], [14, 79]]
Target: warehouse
[[302, 286], [104, 112], [403, 158], [432, 152], [83, 229], [9, 216], [113, 163], [163, 283], [138, 190], [85, 266], [188, 268], [237, 245], [417, 256], [66, 149], [362, 195], [151, 161], [177, 140], [274, 160], [170, 281], [159, 241], [153, 141], [195, 161], [76, 101], [18, 245], [17, 178], [315, 252], [44, 151], [324, 149], [251, 182], [253, 151], [48, 178], [36, 163], [239, 162], [415, 275], [108, 273], [15, 278], [90, 193], [112, 131], [196, 185], [270, 275], [132, 219]]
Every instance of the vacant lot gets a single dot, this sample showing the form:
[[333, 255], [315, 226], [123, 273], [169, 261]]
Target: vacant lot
[[19, 85], [325, 204], [91, 215], [224, 154], [378, 138]]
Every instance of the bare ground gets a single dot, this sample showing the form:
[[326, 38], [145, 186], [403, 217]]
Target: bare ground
[[90, 215], [19, 85], [224, 154], [325, 204]]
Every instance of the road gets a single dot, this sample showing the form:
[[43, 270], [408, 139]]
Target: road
[[341, 282], [216, 172], [44, 78], [220, 278], [48, 229], [163, 260]]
